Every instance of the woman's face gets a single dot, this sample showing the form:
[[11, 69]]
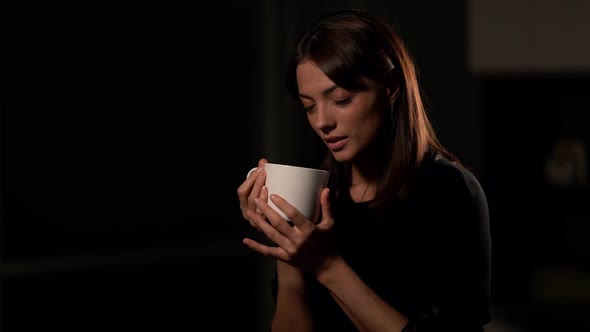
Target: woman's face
[[348, 122]]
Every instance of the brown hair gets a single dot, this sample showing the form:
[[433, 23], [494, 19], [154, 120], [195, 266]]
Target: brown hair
[[350, 46]]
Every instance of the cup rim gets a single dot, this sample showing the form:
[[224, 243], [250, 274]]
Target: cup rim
[[299, 167]]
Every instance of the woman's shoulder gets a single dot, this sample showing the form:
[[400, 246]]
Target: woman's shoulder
[[442, 175], [452, 194]]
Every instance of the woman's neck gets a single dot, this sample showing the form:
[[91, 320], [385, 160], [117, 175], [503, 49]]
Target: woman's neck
[[363, 184]]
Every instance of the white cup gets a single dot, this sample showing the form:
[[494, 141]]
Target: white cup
[[300, 186]]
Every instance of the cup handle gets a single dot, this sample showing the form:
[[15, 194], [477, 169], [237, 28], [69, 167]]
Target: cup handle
[[250, 172]]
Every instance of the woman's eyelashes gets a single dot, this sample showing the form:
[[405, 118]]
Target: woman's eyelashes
[[308, 108], [343, 102], [338, 102]]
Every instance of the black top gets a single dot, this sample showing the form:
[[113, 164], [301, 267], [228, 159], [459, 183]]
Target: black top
[[430, 257]]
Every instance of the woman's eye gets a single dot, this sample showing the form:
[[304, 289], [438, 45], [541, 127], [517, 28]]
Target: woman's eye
[[308, 108], [343, 102]]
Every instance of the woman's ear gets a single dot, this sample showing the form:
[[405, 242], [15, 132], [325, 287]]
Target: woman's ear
[[393, 93]]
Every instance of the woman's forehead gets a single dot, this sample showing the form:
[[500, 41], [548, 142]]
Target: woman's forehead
[[311, 79]]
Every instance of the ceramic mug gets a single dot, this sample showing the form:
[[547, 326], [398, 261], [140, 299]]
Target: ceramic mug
[[300, 186]]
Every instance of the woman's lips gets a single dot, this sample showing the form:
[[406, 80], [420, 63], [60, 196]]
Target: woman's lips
[[336, 144]]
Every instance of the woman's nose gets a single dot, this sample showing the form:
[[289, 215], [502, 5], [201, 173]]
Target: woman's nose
[[324, 119]]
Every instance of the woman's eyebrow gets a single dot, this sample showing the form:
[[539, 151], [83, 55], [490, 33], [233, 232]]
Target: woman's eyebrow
[[326, 92]]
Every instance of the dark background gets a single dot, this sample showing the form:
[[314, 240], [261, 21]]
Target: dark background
[[128, 126]]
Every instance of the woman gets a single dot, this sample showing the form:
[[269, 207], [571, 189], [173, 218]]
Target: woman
[[403, 243]]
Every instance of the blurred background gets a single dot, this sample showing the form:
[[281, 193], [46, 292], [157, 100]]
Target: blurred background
[[127, 127]]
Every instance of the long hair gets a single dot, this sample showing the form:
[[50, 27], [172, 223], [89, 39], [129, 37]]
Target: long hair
[[350, 46]]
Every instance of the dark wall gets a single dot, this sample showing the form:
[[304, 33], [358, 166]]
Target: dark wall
[[120, 122], [540, 227], [126, 128]]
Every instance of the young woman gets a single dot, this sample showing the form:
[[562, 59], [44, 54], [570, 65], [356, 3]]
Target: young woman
[[403, 243]]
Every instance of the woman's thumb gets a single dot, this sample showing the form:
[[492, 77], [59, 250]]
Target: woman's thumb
[[327, 220]]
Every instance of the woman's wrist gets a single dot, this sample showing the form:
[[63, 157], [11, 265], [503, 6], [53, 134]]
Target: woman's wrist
[[326, 273]]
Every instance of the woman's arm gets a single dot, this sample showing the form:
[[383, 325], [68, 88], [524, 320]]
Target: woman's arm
[[306, 246], [361, 304], [292, 312]]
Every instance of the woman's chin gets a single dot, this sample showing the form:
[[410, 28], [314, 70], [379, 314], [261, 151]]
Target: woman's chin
[[341, 156]]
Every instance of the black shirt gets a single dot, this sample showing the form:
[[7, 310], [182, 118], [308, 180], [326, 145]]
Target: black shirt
[[429, 257]]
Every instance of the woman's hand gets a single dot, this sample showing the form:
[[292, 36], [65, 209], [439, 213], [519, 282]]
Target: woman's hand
[[253, 188], [305, 245]]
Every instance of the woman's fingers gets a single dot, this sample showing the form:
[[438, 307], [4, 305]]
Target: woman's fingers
[[245, 188], [262, 162], [263, 196], [256, 188], [251, 189], [327, 219], [275, 233], [259, 190], [276, 252], [275, 219], [299, 220]]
